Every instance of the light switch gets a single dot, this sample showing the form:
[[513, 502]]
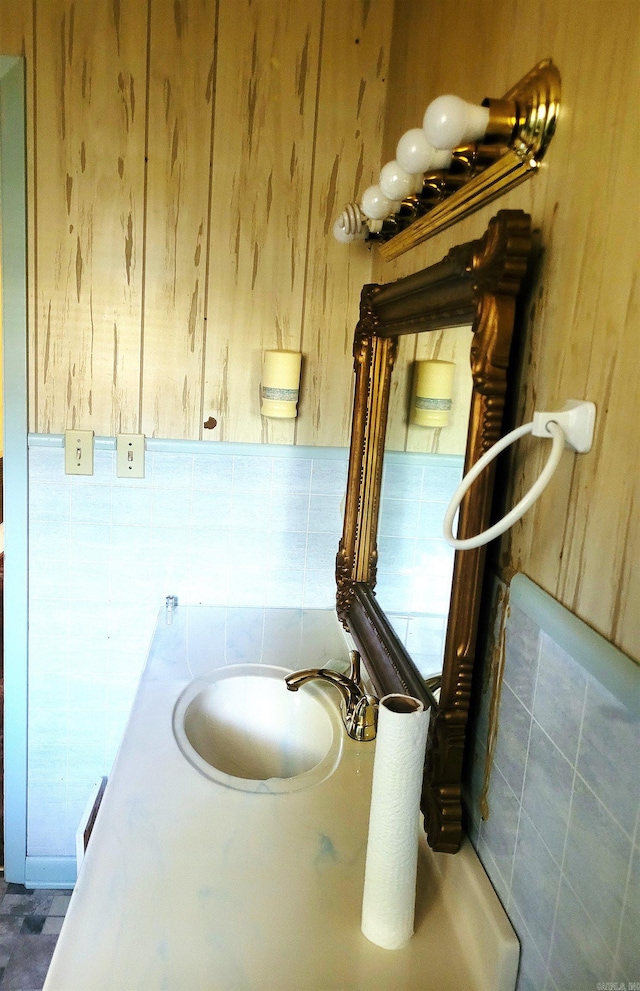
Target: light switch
[[78, 452], [130, 455]]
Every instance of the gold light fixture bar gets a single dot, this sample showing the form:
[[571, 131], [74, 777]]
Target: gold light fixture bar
[[536, 98]]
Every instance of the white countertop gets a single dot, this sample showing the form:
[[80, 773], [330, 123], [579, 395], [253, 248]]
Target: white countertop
[[190, 885]]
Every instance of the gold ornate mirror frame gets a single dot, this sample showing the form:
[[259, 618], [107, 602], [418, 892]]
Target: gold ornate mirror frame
[[477, 284]]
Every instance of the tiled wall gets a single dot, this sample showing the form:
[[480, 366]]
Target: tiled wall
[[217, 524], [562, 841]]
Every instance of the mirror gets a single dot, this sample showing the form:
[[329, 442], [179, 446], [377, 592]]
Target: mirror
[[475, 285], [423, 460]]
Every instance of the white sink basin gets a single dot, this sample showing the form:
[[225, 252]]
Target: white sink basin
[[244, 729]]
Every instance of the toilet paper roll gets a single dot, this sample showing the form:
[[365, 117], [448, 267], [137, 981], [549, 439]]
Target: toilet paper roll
[[388, 904]]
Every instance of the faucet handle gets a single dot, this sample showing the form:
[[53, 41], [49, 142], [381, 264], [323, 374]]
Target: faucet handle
[[354, 667], [361, 722]]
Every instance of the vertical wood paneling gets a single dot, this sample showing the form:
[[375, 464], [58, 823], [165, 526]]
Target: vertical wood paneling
[[181, 88], [397, 422], [262, 157], [16, 28], [141, 320], [353, 74], [16, 38], [582, 536], [607, 304], [90, 96]]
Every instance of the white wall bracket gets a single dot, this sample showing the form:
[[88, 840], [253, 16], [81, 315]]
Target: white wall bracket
[[577, 419]]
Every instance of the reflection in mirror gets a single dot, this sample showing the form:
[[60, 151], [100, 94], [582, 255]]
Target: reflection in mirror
[[475, 286], [422, 468]]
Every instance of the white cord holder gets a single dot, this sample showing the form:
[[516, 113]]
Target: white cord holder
[[577, 419]]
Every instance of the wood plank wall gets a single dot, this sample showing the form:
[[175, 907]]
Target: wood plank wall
[[581, 542], [186, 161]]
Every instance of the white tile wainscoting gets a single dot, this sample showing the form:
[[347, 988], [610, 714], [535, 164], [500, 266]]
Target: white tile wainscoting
[[561, 843]]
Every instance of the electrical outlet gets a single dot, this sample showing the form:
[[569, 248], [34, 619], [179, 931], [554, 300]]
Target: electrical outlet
[[78, 452], [130, 455]]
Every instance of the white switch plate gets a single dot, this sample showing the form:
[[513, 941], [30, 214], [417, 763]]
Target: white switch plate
[[78, 452], [130, 455]]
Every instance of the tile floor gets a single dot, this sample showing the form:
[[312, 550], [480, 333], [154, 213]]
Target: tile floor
[[30, 920]]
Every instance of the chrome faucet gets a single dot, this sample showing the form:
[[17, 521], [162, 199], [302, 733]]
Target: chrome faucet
[[359, 710]]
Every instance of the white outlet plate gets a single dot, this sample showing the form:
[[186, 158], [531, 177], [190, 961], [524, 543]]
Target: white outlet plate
[[78, 452], [130, 455]]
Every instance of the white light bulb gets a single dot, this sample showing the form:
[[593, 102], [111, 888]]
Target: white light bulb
[[450, 122], [397, 184], [341, 234], [375, 205], [416, 156], [344, 236]]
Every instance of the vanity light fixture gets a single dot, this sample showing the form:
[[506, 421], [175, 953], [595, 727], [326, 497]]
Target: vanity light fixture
[[461, 158], [280, 384], [431, 403]]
